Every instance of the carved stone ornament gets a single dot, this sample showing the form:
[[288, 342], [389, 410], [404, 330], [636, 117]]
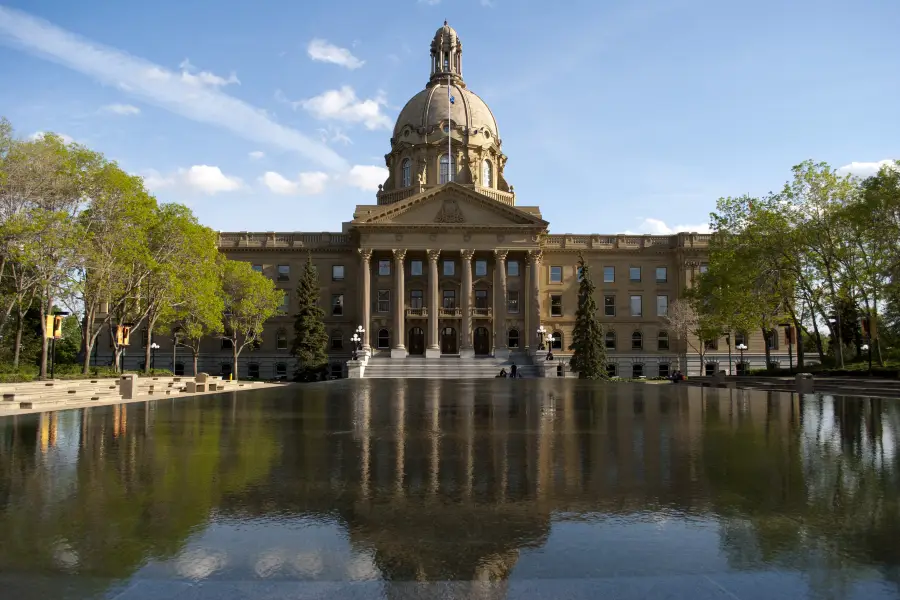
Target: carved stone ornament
[[450, 213], [365, 253]]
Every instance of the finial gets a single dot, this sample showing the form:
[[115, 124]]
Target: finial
[[445, 22]]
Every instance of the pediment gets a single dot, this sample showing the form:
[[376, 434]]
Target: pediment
[[450, 205]]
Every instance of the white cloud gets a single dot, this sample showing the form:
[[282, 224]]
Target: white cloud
[[190, 75], [306, 184], [333, 134], [121, 109], [157, 86], [322, 51], [343, 105], [198, 178], [657, 227], [257, 154], [864, 169], [367, 177], [67, 139]]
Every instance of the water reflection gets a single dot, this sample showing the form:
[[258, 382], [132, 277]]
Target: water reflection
[[432, 481]]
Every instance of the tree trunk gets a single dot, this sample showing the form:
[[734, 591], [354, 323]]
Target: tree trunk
[[44, 345], [88, 341], [818, 338], [766, 346], [20, 327], [148, 351], [234, 361], [194, 352], [798, 341]]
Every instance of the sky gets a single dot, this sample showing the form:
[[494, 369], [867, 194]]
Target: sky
[[617, 116]]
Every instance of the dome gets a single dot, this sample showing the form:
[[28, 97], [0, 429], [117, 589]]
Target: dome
[[428, 110]]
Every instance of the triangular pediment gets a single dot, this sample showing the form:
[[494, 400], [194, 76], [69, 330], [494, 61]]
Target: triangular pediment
[[450, 205]]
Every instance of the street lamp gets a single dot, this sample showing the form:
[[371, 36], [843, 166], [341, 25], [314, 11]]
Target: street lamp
[[541, 333], [550, 340], [357, 343], [153, 348], [868, 348], [742, 347]]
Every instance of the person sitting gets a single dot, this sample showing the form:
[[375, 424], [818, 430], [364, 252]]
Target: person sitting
[[502, 373]]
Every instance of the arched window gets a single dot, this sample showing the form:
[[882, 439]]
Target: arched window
[[637, 370], [447, 175], [337, 340], [557, 341], [384, 338], [281, 339], [637, 340], [513, 338], [610, 340], [406, 173], [662, 340], [611, 369], [487, 174]]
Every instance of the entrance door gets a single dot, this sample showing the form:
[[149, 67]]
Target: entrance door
[[416, 341], [449, 343], [482, 341]]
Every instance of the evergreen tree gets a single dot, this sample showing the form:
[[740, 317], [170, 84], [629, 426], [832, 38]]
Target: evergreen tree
[[588, 345], [310, 338]]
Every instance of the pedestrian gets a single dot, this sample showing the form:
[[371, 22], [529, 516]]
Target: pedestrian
[[513, 370]]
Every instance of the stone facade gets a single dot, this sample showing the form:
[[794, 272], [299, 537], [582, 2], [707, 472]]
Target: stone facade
[[447, 262]]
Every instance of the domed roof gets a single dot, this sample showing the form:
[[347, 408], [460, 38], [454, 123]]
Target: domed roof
[[428, 109]]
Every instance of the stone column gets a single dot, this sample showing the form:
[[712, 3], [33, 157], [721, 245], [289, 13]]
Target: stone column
[[466, 349], [434, 349], [500, 349], [399, 349], [535, 258], [365, 314], [525, 307]]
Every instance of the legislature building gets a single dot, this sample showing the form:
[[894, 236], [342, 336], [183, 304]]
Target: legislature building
[[449, 263]]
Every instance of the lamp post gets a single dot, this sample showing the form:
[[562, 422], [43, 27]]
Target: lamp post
[[742, 347], [359, 333], [728, 341], [153, 348], [867, 348], [550, 340], [541, 333], [357, 342]]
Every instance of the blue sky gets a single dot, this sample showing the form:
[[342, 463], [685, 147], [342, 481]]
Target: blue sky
[[616, 116]]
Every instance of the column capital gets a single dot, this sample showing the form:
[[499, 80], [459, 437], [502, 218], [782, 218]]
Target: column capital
[[365, 253], [433, 255], [535, 256], [399, 254], [467, 254], [500, 254]]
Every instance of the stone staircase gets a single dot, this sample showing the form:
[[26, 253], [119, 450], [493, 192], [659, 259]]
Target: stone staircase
[[446, 367]]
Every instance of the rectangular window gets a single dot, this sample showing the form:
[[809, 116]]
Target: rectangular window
[[337, 341], [384, 301], [579, 273], [337, 305], [662, 306], [772, 339], [480, 268], [609, 274], [280, 369], [662, 340], [556, 305], [257, 268], [704, 268], [144, 338], [636, 307], [609, 306], [634, 274], [285, 301], [449, 299], [384, 268], [415, 299], [662, 274], [481, 299], [555, 274], [512, 301], [415, 268], [512, 268], [711, 344], [449, 268], [284, 272], [663, 369], [337, 272]]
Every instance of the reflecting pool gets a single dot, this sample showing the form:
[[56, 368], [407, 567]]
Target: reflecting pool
[[440, 489]]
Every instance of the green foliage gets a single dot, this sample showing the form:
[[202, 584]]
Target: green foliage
[[588, 346], [310, 345]]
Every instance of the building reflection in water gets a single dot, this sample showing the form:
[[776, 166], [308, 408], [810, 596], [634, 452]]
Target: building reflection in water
[[458, 481]]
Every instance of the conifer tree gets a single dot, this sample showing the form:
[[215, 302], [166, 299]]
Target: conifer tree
[[588, 346], [310, 346]]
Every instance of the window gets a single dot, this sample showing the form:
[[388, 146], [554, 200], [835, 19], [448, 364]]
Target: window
[[710, 369], [337, 305], [416, 299], [179, 369], [555, 274], [772, 339], [253, 370], [225, 370], [449, 268], [743, 368], [636, 307], [512, 268], [611, 369], [285, 301], [662, 340], [144, 338], [384, 339], [556, 344], [487, 174], [704, 268], [449, 299], [447, 175], [337, 340], [281, 369], [609, 306], [257, 268], [337, 370], [415, 268], [711, 344], [556, 305], [662, 306], [579, 273], [406, 173], [512, 301], [384, 301], [384, 268], [481, 299], [284, 272], [610, 340], [480, 268], [740, 338], [662, 275], [663, 369], [609, 274], [634, 273], [226, 342], [637, 341], [513, 338], [281, 339], [637, 371], [337, 272]]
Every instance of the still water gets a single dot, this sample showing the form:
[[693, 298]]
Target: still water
[[423, 489]]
